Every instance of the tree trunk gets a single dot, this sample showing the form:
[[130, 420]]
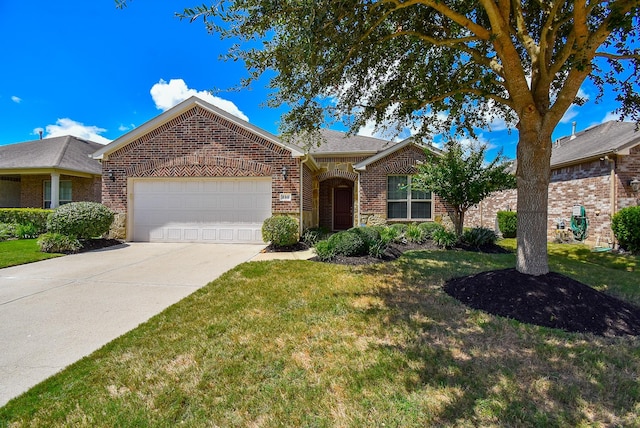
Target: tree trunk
[[533, 176]]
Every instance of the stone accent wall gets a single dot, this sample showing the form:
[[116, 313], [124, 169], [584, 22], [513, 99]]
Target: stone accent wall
[[199, 143], [373, 182], [82, 189], [588, 184]]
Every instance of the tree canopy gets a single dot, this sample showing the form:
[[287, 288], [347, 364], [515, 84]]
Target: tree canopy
[[437, 66]]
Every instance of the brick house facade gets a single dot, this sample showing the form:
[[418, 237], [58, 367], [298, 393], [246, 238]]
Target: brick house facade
[[27, 171], [592, 169], [195, 146]]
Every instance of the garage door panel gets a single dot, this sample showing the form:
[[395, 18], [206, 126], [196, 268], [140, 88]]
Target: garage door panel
[[207, 210]]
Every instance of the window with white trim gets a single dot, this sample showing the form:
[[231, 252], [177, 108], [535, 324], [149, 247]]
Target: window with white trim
[[65, 193], [406, 204]]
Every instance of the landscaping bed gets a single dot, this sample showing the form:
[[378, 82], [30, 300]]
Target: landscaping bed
[[551, 300]]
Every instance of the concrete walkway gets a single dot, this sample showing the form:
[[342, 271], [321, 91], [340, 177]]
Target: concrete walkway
[[54, 312]]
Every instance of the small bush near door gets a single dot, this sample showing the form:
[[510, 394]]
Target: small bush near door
[[280, 230]]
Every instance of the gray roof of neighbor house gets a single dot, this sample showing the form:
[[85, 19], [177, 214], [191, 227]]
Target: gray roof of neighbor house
[[611, 137], [336, 142], [66, 153]]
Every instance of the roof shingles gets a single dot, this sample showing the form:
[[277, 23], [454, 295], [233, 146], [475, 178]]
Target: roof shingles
[[67, 152]]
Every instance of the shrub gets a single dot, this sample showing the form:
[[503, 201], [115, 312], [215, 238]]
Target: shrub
[[479, 236], [508, 223], [313, 235], [348, 243], [378, 248], [399, 227], [370, 235], [444, 238], [52, 242], [26, 231], [415, 234], [281, 230], [36, 216], [7, 231], [325, 250], [429, 227], [389, 234], [84, 220], [626, 228]]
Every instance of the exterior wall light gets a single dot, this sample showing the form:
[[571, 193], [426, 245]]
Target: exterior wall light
[[111, 176], [635, 185], [285, 171]]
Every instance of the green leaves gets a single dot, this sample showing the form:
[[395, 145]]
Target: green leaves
[[462, 178]]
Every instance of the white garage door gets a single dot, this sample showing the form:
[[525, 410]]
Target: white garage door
[[200, 210]]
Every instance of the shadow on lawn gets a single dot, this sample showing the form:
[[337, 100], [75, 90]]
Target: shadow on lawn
[[492, 370]]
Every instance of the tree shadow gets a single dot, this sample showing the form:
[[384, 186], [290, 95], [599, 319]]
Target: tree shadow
[[489, 370]]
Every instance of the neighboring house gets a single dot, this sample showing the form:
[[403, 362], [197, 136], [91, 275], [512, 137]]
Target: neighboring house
[[197, 173], [48, 172], [593, 168]]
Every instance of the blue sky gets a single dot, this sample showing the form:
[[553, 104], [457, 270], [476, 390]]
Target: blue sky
[[88, 69]]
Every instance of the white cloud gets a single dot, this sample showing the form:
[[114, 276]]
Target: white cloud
[[66, 126], [569, 114], [16, 100], [610, 116], [124, 127], [166, 95]]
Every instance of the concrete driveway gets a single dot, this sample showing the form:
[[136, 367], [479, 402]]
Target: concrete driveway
[[54, 312]]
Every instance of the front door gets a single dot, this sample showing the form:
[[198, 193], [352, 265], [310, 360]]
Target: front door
[[342, 208]]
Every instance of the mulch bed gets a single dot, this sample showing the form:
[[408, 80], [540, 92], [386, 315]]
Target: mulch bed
[[551, 300], [97, 244]]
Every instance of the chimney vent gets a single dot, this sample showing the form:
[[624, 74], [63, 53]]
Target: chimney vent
[[573, 130]]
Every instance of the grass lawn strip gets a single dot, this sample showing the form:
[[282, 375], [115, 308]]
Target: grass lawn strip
[[21, 251], [298, 343]]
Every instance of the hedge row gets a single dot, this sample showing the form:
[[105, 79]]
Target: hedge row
[[35, 216]]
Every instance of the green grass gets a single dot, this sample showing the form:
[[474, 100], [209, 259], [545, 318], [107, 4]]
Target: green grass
[[298, 343], [21, 251]]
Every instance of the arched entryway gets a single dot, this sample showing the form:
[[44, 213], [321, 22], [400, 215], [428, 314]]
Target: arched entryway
[[336, 203]]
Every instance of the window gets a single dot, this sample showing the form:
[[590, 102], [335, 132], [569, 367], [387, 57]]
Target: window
[[404, 203], [65, 192]]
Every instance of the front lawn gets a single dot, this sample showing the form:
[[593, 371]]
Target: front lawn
[[21, 251], [300, 343]]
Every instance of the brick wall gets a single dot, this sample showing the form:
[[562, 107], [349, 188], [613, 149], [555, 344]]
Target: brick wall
[[588, 184], [82, 189], [373, 182], [199, 143]]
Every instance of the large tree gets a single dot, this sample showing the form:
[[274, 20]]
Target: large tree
[[441, 66]]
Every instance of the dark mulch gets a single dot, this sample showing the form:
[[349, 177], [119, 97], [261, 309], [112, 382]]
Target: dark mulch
[[551, 300], [97, 244]]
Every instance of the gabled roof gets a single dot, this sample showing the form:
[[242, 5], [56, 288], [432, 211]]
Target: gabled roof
[[181, 108], [361, 166], [63, 153], [342, 144], [611, 137]]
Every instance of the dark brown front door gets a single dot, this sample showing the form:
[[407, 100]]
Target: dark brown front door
[[342, 208]]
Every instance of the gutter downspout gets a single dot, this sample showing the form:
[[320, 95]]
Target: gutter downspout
[[612, 190], [359, 217]]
